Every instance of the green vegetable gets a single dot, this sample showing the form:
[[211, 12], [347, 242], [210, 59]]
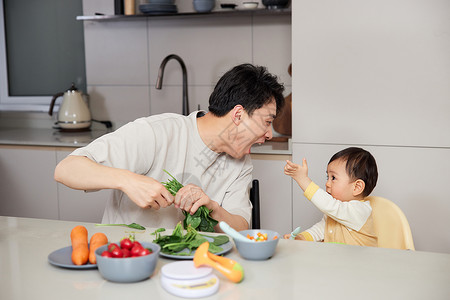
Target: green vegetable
[[172, 185], [201, 219], [173, 244], [132, 225]]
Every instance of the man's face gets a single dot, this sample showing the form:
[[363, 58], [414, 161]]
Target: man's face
[[253, 129]]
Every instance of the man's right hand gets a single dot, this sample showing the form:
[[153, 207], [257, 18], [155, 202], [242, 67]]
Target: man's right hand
[[146, 192]]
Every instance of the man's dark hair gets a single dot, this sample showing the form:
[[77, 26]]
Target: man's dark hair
[[360, 164], [247, 85]]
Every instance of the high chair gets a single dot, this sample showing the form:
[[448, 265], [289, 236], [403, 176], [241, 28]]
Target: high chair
[[391, 225]]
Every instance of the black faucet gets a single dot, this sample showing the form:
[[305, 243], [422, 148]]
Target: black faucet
[[159, 81]]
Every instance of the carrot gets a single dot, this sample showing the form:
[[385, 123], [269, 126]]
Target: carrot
[[80, 249], [97, 240]]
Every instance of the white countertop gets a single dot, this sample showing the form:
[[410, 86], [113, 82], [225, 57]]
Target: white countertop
[[298, 270], [47, 137], [55, 138]]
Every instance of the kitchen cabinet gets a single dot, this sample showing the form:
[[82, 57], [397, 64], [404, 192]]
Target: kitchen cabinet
[[27, 187], [76, 205], [275, 190]]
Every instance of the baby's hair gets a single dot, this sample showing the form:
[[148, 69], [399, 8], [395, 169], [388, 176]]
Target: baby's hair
[[360, 164]]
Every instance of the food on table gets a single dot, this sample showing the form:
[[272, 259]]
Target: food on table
[[80, 248], [132, 225], [97, 240], [201, 219], [260, 237], [173, 244], [128, 247]]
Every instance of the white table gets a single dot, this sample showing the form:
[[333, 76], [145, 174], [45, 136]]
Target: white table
[[298, 270]]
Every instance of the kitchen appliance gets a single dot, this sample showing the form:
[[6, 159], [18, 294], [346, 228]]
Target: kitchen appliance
[[73, 114]]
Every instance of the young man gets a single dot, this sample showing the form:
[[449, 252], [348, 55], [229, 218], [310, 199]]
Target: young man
[[207, 152]]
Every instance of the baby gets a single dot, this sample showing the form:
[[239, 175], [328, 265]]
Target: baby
[[351, 176]]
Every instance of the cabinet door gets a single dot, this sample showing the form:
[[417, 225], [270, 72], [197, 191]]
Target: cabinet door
[[413, 178], [371, 73], [76, 205], [275, 192], [27, 188]]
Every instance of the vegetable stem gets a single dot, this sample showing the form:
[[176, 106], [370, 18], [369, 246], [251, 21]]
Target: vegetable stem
[[132, 225]]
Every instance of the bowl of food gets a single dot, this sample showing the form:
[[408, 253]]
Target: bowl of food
[[261, 244], [136, 264]]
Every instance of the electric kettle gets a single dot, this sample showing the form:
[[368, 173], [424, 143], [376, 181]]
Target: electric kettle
[[73, 112]]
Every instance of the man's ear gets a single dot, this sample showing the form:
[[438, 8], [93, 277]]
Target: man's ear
[[237, 113], [358, 187]]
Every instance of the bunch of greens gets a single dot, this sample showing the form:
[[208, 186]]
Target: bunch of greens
[[173, 244], [201, 219]]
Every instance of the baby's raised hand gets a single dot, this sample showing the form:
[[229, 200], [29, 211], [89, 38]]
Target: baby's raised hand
[[298, 172]]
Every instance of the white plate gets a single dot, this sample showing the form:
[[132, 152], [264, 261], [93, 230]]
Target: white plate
[[63, 258], [226, 248]]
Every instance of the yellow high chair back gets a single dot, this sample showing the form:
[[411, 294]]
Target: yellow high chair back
[[391, 225]]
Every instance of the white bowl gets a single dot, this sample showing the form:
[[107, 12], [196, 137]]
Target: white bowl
[[250, 5]]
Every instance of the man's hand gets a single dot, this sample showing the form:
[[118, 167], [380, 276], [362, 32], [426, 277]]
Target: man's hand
[[191, 197], [146, 192]]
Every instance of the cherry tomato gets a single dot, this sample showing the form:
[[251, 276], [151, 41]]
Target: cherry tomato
[[126, 243], [136, 250], [117, 252], [106, 253], [136, 243], [126, 253], [144, 252], [112, 246]]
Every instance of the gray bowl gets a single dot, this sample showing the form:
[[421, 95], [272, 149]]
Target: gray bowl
[[257, 250], [130, 269]]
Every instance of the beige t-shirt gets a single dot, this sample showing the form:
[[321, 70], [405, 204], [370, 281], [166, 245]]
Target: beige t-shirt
[[171, 142]]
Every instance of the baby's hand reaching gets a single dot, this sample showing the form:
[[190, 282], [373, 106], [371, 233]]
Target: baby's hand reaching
[[298, 172]]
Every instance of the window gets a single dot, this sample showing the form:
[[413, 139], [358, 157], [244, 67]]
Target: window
[[41, 52]]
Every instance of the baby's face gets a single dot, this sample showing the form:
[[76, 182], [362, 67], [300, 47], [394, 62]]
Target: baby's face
[[339, 185]]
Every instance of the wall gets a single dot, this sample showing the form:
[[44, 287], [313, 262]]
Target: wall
[[123, 57], [376, 74]]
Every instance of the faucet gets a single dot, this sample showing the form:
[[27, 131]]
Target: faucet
[[159, 80]]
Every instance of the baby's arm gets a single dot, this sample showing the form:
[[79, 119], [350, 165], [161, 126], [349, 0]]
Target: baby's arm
[[352, 214], [298, 172]]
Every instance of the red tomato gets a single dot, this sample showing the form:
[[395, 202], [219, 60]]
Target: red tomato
[[136, 243], [106, 253], [117, 252], [144, 252], [136, 250], [126, 253], [112, 246], [126, 243]]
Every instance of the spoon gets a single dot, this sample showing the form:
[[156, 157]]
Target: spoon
[[233, 233], [294, 233]]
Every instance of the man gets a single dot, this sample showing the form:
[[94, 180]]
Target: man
[[206, 152]]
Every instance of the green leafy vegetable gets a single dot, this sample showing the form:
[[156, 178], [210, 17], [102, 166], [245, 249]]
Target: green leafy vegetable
[[173, 244], [201, 219], [172, 185], [132, 225]]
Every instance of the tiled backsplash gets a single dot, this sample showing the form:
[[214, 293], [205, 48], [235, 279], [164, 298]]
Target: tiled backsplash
[[123, 58]]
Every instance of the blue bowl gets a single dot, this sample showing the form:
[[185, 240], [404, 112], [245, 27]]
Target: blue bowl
[[204, 5], [257, 250]]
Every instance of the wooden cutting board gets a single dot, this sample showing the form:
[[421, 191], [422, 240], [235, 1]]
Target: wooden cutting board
[[283, 122]]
